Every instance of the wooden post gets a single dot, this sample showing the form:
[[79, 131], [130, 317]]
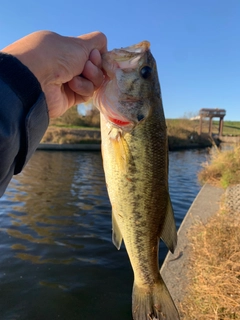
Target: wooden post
[[210, 125], [200, 125], [212, 113], [220, 131]]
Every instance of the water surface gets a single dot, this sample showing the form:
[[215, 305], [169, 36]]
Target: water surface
[[57, 258]]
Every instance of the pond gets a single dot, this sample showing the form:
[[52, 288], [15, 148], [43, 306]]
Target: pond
[[57, 258]]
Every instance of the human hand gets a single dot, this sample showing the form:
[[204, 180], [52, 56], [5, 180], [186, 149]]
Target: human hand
[[68, 68]]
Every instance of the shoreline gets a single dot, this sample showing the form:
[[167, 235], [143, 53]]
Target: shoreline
[[89, 139], [175, 267], [70, 147], [97, 147]]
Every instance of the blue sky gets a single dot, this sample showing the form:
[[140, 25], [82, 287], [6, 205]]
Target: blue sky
[[196, 43]]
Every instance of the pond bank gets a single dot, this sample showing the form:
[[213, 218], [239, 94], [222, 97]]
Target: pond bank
[[176, 266], [97, 146], [64, 138], [70, 146]]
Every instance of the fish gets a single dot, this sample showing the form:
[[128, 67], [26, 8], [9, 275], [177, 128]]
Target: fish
[[135, 161]]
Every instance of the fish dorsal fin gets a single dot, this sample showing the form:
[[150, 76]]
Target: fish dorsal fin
[[121, 150], [169, 232], [116, 233]]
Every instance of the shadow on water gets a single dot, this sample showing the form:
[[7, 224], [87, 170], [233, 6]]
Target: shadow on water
[[57, 257]]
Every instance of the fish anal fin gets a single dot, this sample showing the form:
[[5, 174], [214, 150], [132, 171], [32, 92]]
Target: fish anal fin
[[168, 232], [116, 233]]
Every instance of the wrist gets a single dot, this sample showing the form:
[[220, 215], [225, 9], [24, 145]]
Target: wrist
[[32, 53]]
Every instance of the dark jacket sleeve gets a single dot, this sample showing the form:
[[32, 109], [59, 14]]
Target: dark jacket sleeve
[[23, 117]]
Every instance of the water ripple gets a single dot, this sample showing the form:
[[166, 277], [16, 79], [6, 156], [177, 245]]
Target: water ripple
[[55, 237]]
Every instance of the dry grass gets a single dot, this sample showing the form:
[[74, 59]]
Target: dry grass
[[66, 129], [181, 132], [223, 168], [214, 270], [69, 135], [184, 132], [214, 290]]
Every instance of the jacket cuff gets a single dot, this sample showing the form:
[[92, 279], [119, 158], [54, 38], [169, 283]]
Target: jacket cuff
[[36, 124], [34, 115], [20, 79]]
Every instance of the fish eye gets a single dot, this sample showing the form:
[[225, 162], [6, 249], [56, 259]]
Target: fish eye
[[140, 117], [146, 72]]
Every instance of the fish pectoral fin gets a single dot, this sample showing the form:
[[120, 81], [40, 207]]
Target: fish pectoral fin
[[116, 233], [169, 232], [121, 150]]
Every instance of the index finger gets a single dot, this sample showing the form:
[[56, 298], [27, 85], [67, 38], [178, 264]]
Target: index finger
[[95, 40], [95, 58]]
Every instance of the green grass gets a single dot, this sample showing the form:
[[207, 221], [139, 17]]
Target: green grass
[[229, 127]]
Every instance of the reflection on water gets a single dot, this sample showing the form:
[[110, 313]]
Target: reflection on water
[[57, 258], [56, 202]]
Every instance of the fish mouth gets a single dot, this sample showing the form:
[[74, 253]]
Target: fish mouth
[[111, 98], [124, 58], [128, 57], [131, 51], [139, 47]]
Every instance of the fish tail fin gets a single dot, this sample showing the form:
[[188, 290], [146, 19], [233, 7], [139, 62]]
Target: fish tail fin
[[154, 303]]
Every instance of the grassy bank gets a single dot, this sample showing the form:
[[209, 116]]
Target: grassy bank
[[214, 271], [72, 135], [230, 127], [179, 136], [71, 129], [182, 133]]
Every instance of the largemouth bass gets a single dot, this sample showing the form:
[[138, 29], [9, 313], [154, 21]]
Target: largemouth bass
[[135, 160]]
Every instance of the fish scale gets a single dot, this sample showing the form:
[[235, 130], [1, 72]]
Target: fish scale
[[139, 187], [135, 160]]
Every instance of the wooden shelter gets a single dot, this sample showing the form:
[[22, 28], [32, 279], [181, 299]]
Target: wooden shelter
[[212, 113]]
